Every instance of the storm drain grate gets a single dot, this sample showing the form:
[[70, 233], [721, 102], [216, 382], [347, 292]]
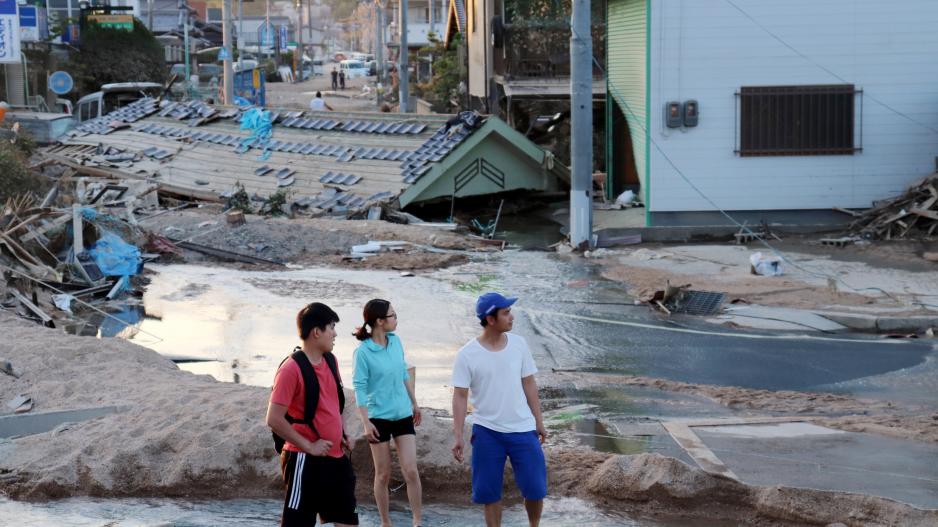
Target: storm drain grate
[[698, 303]]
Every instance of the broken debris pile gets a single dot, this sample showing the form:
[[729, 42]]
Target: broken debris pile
[[915, 213], [58, 259]]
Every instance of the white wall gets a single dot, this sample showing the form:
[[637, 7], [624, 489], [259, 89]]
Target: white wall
[[707, 50]]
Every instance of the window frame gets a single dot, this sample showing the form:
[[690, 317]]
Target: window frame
[[778, 136]]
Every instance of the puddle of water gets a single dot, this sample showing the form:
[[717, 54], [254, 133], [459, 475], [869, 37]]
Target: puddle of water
[[88, 512], [243, 323], [37, 423]]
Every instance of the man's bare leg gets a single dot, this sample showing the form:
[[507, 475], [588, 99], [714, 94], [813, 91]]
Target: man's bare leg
[[534, 509], [493, 514]]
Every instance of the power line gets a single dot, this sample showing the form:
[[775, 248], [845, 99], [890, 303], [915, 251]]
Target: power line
[[825, 69], [743, 227]]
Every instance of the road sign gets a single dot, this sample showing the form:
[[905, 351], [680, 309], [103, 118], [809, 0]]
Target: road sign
[[283, 38], [9, 32], [223, 54], [265, 35], [60, 82], [122, 22], [29, 23]]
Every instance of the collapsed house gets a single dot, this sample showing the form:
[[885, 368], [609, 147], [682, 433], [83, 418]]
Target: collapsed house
[[328, 163]]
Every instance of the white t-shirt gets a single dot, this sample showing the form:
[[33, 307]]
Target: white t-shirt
[[494, 382], [317, 104]]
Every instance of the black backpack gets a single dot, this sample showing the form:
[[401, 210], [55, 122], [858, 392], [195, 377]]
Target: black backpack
[[311, 384]]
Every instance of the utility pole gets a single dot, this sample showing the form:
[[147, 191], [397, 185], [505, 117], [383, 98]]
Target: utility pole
[[379, 42], [184, 16], [267, 29], [240, 36], [432, 25], [581, 140], [402, 73], [298, 55], [150, 15], [226, 43]]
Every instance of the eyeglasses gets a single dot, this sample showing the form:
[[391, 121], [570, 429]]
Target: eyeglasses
[[390, 315]]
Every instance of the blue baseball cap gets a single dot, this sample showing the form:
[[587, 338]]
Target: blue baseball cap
[[489, 303]]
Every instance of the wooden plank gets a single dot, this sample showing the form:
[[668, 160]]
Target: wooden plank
[[78, 240], [46, 319], [930, 214], [223, 254]]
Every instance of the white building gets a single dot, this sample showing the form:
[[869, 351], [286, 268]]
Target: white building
[[803, 104]]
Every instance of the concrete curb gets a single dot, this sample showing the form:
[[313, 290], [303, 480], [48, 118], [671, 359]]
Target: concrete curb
[[875, 324]]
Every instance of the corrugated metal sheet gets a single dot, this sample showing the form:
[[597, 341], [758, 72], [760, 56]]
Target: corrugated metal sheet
[[626, 45]]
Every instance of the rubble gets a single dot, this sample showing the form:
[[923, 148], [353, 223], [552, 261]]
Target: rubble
[[913, 214]]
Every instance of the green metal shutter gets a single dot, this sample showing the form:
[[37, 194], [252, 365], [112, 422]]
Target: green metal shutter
[[627, 77]]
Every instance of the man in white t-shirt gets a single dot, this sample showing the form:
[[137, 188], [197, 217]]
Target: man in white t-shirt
[[497, 369], [318, 104]]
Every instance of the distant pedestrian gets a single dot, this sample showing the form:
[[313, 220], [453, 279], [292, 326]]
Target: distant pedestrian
[[319, 104], [335, 79], [384, 390], [342, 80], [498, 370], [317, 473]]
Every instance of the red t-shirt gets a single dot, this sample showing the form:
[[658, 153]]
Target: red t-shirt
[[289, 391]]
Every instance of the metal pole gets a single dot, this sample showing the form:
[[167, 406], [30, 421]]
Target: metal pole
[[240, 36], [226, 42], [581, 140], [379, 46], [150, 15], [267, 29], [298, 61], [185, 43], [402, 60]]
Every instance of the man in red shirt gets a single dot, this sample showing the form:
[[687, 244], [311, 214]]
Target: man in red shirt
[[318, 475]]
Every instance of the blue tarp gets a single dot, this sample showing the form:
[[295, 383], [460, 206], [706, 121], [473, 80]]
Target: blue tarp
[[259, 123], [114, 256]]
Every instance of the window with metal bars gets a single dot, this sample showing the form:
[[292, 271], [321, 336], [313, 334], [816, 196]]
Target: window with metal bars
[[798, 120]]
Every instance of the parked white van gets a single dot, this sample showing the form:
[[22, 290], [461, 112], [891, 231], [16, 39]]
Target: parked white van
[[353, 69]]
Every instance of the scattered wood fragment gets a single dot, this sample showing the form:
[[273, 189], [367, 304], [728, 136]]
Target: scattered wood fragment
[[911, 215]]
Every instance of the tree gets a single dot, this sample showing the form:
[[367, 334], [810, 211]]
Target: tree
[[114, 55], [446, 73]]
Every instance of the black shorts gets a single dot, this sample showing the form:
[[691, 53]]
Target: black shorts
[[388, 429], [317, 485]]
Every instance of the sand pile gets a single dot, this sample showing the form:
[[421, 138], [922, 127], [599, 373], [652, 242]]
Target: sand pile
[[188, 435], [666, 484], [181, 434]]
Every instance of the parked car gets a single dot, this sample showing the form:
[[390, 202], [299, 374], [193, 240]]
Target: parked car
[[112, 97], [353, 69]]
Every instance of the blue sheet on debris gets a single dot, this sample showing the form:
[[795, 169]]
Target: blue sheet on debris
[[114, 256]]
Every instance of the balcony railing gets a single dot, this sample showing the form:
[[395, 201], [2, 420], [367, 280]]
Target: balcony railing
[[532, 52]]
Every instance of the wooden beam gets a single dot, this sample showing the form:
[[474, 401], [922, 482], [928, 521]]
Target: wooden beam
[[46, 319]]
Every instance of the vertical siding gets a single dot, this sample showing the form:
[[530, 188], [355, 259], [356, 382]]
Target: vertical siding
[[707, 50], [626, 49]]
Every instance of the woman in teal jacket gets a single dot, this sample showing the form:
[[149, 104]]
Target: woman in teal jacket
[[388, 407]]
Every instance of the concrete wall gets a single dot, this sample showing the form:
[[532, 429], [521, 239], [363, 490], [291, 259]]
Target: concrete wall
[[707, 50]]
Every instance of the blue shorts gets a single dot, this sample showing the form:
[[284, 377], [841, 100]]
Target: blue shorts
[[489, 451]]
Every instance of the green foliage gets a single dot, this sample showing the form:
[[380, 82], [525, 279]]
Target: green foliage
[[446, 73], [16, 179], [534, 13], [275, 203], [113, 55], [240, 199]]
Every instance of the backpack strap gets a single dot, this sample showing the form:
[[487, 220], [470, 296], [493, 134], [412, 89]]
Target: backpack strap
[[334, 366], [311, 389]]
